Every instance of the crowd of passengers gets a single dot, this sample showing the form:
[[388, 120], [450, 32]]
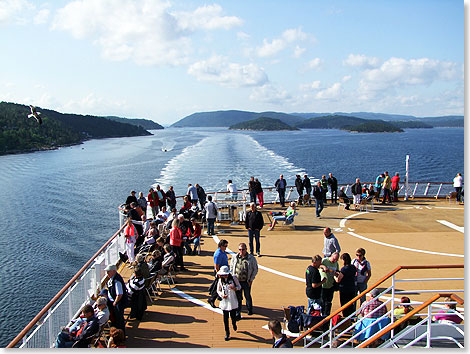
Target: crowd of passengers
[[157, 244]]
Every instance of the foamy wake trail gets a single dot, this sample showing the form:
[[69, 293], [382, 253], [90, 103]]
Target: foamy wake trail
[[225, 155]]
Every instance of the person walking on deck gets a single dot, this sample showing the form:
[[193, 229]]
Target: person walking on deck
[[254, 223], [227, 286], [330, 243], [245, 267], [220, 260], [281, 185], [318, 195]]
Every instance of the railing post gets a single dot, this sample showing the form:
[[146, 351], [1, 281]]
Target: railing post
[[438, 191], [346, 190], [70, 302], [288, 194], [426, 190], [414, 190], [49, 325], [331, 332], [428, 336], [392, 317]]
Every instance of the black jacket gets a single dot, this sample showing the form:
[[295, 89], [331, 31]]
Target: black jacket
[[317, 192], [356, 188], [278, 183], [254, 220], [299, 185], [307, 184], [333, 182]]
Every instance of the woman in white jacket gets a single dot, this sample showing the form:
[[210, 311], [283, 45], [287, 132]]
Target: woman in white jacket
[[226, 288]]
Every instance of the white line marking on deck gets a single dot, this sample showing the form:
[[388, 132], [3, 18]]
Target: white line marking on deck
[[452, 226], [196, 301], [451, 208], [405, 248]]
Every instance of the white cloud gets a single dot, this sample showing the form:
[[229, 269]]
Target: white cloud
[[270, 48], [207, 17], [42, 17], [360, 60], [269, 93], [243, 35], [315, 63], [145, 31], [315, 85], [330, 93], [346, 78], [217, 69], [398, 72], [298, 51], [93, 104], [15, 11]]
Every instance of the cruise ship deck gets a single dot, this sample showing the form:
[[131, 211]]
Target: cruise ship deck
[[414, 232]]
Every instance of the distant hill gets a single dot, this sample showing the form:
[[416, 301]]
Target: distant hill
[[411, 124], [348, 123], [229, 118], [263, 123], [144, 123], [18, 133]]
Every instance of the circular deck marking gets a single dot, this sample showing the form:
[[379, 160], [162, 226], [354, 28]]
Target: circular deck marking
[[343, 224]]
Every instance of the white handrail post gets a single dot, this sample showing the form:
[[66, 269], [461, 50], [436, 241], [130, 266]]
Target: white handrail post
[[438, 191], [426, 190], [331, 332], [392, 317], [49, 325], [406, 178], [346, 190], [428, 336], [414, 191], [288, 194]]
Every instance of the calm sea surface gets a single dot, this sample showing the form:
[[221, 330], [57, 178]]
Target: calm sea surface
[[60, 206]]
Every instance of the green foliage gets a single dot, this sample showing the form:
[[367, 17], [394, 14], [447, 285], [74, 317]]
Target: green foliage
[[349, 123], [144, 123], [373, 126], [263, 123], [18, 133], [411, 124]]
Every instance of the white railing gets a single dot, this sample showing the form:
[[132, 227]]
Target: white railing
[[66, 305]]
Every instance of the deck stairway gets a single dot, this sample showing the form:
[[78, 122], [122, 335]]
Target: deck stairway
[[387, 330]]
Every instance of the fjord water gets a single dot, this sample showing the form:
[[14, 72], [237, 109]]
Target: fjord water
[[60, 206]]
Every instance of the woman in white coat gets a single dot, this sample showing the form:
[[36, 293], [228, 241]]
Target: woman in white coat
[[226, 288]]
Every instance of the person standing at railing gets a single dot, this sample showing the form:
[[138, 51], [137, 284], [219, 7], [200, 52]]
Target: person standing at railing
[[142, 202], [211, 215], [232, 188], [152, 198], [387, 185], [395, 186], [378, 186], [333, 183], [192, 193], [281, 185], [131, 234], [259, 192], [458, 184], [201, 195], [171, 198], [252, 189], [300, 189], [324, 187], [363, 271], [117, 296], [308, 188]]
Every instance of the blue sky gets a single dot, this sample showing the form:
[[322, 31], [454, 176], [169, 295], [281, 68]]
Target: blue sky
[[163, 60]]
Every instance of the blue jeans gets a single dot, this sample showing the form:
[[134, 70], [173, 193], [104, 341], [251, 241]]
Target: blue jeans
[[63, 341], [254, 233], [210, 226], [360, 288], [246, 288], [253, 197], [318, 206], [188, 244]]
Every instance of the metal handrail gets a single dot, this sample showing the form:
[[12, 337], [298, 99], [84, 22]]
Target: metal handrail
[[46, 308], [380, 281], [395, 324]]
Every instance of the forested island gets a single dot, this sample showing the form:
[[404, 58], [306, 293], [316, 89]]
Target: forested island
[[263, 123], [18, 133]]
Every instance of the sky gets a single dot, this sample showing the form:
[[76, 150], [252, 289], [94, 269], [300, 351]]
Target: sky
[[164, 60]]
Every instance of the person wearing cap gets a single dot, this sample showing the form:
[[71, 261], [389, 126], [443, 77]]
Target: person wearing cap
[[280, 339], [131, 198], [314, 283], [101, 312], [81, 338], [220, 260], [227, 287], [117, 296], [374, 303], [245, 267]]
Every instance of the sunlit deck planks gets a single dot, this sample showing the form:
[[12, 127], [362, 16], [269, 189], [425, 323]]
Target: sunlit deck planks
[[406, 233]]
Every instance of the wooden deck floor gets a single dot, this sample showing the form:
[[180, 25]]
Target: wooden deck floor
[[405, 233]]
